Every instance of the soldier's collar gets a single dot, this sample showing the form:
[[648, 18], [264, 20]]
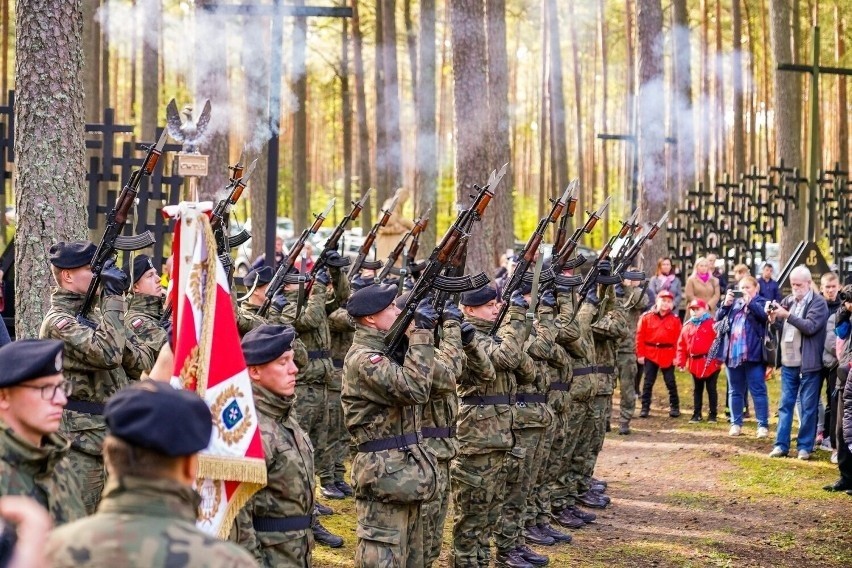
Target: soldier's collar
[[271, 404], [28, 457], [369, 337]]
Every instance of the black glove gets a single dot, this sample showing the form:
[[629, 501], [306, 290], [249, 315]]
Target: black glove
[[843, 315], [468, 332], [425, 316], [113, 279], [566, 290], [548, 300], [451, 312], [331, 256], [592, 298], [322, 277], [605, 267], [279, 300], [517, 299], [167, 327]]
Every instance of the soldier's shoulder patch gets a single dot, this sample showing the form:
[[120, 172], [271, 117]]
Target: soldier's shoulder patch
[[61, 323], [137, 323], [375, 358]]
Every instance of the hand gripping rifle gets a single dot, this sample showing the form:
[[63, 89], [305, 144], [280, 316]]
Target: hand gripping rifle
[[333, 241], [627, 259], [528, 256], [431, 277], [360, 261], [389, 266], [570, 209], [113, 240], [280, 277]]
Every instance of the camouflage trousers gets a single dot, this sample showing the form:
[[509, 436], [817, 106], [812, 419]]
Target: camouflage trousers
[[389, 535], [477, 482], [520, 474], [538, 500], [337, 441], [312, 414], [603, 408], [582, 425], [435, 515], [552, 490], [91, 475], [626, 369], [286, 549]]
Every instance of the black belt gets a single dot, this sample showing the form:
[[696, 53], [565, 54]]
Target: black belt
[[560, 387], [489, 400], [531, 398], [392, 443], [439, 432], [585, 371], [282, 524], [319, 354], [659, 345], [84, 406], [606, 370], [338, 363]]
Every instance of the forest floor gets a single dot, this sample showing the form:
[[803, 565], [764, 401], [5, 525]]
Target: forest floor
[[689, 495]]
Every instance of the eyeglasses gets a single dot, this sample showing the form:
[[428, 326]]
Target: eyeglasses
[[48, 392]]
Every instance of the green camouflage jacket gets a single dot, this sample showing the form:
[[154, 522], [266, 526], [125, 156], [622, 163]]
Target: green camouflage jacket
[[142, 323], [41, 473], [539, 347], [383, 400], [342, 330], [143, 523], [443, 406], [576, 337], [290, 485], [608, 330], [248, 319], [489, 427], [635, 300], [312, 326]]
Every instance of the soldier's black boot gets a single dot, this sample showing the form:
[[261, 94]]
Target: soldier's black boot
[[591, 499], [596, 481], [330, 491], [344, 488], [322, 536], [566, 519], [532, 556], [584, 516], [547, 529], [533, 535], [512, 559], [322, 510], [623, 428], [644, 412]]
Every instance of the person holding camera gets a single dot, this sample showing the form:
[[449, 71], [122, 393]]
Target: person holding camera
[[801, 319], [741, 321], [843, 394]]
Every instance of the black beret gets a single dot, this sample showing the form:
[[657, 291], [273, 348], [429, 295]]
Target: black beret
[[525, 288], [267, 342], [478, 297], [155, 416], [258, 277], [142, 263], [359, 282], [370, 300], [402, 300], [29, 359], [72, 255]]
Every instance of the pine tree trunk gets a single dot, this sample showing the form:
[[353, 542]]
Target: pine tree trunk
[[842, 104], [557, 102], [586, 191], [364, 183], [544, 117], [382, 186], [392, 154], [92, 60], [152, 11], [257, 122], [630, 88], [50, 152], [346, 113], [427, 141], [411, 44], [685, 148], [604, 184], [737, 90], [299, 81]]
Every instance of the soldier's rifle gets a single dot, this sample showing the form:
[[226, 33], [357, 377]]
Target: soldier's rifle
[[570, 210], [280, 277], [112, 240], [414, 233], [431, 277], [360, 261]]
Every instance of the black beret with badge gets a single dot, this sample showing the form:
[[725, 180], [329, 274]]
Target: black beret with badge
[[155, 416], [72, 254], [478, 297], [370, 300], [29, 359], [267, 342], [259, 277], [142, 263]]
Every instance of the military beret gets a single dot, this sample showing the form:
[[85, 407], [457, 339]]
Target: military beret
[[478, 297], [157, 417], [525, 288], [359, 282], [72, 254], [142, 263], [370, 300], [29, 359], [402, 300], [267, 342], [259, 277]]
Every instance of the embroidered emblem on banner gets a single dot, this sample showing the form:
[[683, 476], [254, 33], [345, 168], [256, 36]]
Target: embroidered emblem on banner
[[233, 422]]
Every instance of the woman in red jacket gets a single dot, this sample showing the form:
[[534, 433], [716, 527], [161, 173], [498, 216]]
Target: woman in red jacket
[[696, 337], [656, 339]]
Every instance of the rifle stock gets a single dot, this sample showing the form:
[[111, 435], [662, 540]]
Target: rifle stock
[[370, 239]]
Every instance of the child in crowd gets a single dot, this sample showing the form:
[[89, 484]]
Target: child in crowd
[[694, 343]]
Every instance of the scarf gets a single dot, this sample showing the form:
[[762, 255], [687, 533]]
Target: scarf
[[665, 281], [699, 320], [704, 277], [738, 346]]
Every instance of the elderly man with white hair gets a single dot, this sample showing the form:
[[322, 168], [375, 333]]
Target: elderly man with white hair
[[801, 319]]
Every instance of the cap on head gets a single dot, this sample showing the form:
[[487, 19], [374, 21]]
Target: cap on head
[[154, 416], [665, 294], [29, 359], [74, 254], [478, 297], [142, 263], [267, 343], [259, 277], [698, 303], [370, 300]]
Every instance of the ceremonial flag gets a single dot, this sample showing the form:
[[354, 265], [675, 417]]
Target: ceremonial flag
[[209, 360]]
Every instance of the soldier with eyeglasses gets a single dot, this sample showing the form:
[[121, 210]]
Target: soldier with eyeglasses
[[33, 456]]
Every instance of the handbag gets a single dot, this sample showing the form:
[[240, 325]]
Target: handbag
[[770, 347]]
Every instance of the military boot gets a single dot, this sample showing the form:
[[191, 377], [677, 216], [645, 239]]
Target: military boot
[[596, 481], [532, 556], [591, 499], [344, 488], [582, 515], [547, 529], [512, 559], [322, 536], [330, 491], [566, 519], [644, 412], [623, 428], [322, 510], [533, 535]]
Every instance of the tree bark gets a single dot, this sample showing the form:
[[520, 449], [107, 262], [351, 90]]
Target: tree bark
[[391, 154], [361, 117], [299, 81], [152, 13], [842, 104], [4, 49], [586, 193], [557, 102], [49, 145], [652, 162], [545, 117], [257, 90], [499, 222], [427, 140], [685, 148], [346, 113], [737, 90], [92, 59], [604, 116], [411, 44], [381, 135], [471, 119]]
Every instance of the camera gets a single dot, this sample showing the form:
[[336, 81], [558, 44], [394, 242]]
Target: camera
[[737, 293], [845, 294], [772, 306]]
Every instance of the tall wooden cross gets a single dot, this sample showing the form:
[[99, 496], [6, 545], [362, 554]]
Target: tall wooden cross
[[815, 70]]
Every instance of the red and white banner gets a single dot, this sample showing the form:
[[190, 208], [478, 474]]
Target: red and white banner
[[209, 360]]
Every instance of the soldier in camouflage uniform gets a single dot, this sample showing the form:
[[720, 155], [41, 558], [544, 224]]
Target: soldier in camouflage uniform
[[626, 367], [486, 390], [393, 472], [274, 523], [257, 281], [93, 357], [147, 516], [33, 458], [145, 308], [342, 331]]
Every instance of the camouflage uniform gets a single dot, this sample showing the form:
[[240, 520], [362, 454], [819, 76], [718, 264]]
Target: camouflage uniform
[[92, 363], [248, 319], [439, 433], [342, 330], [393, 473], [41, 473], [484, 430], [625, 358], [288, 497], [142, 323], [143, 523]]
